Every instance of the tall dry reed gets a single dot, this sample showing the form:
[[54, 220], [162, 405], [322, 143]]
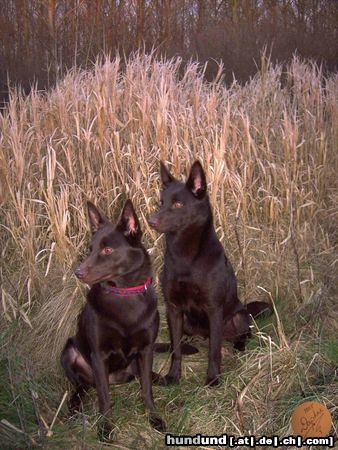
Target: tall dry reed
[[270, 153]]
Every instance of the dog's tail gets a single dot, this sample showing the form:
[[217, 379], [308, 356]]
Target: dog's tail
[[186, 349], [258, 308]]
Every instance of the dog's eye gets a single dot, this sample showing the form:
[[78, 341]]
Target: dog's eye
[[177, 205], [107, 251]]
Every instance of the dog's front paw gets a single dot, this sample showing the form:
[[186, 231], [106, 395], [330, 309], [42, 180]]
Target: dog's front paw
[[157, 423], [105, 430], [212, 381]]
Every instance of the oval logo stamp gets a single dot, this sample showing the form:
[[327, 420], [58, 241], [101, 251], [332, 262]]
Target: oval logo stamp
[[311, 419]]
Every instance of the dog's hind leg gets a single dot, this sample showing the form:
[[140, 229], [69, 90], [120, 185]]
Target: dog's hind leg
[[78, 372], [237, 330], [239, 344], [75, 401]]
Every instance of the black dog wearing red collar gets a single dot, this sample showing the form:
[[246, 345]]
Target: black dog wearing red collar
[[118, 326]]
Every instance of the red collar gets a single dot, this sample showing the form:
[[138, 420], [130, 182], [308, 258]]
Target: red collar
[[129, 291]]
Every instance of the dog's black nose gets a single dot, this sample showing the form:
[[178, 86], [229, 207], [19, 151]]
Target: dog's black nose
[[153, 221], [79, 272]]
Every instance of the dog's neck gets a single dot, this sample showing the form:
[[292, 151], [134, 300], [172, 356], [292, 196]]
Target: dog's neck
[[131, 279], [187, 243]]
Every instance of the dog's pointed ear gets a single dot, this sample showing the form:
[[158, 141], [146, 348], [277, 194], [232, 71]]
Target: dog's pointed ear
[[166, 176], [96, 218], [197, 182], [129, 223]]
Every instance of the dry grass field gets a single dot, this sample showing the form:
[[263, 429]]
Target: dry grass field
[[269, 149]]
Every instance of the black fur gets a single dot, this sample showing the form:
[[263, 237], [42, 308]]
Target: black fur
[[198, 281], [115, 336]]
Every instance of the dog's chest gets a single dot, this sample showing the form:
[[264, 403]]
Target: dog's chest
[[186, 292], [122, 345]]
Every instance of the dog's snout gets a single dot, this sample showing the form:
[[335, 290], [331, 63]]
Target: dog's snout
[[80, 272], [153, 221]]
